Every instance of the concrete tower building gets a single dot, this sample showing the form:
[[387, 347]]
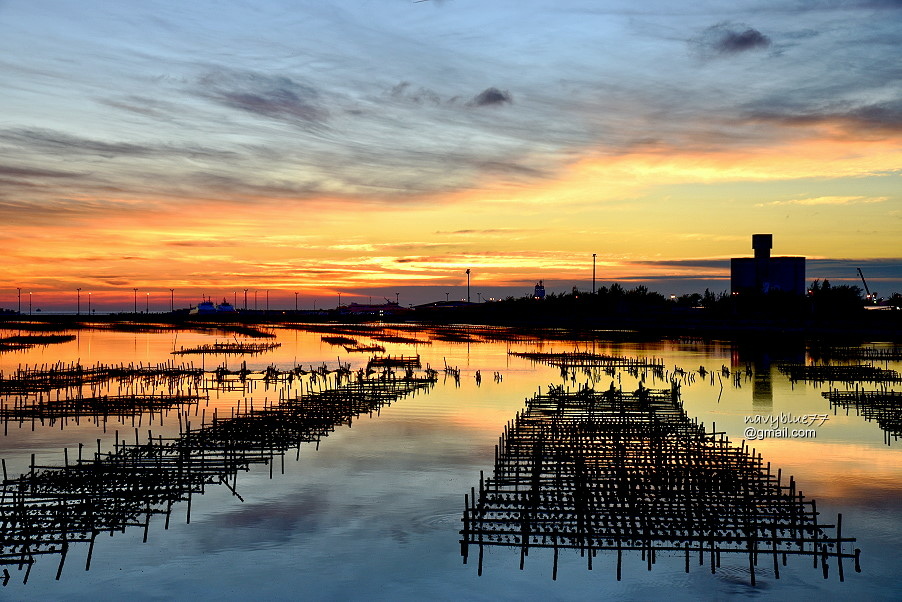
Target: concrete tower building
[[763, 273]]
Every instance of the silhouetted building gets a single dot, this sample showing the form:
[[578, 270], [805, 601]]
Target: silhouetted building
[[763, 273], [539, 292], [389, 308], [208, 307]]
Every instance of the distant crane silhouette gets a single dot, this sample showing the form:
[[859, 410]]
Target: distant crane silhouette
[[871, 298]]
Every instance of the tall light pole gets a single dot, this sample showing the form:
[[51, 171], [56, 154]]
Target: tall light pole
[[295, 301], [468, 285], [446, 296], [339, 299], [479, 297], [89, 304], [78, 303], [245, 299], [29, 303], [171, 300], [267, 299], [593, 273], [255, 300], [136, 300], [20, 299], [147, 304], [397, 298]]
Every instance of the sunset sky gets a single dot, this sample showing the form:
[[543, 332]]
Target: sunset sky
[[377, 146]]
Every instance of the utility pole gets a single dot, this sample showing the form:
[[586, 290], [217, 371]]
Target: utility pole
[[171, 300], [397, 298], [147, 304], [136, 300], [29, 303], [339, 299], [78, 303], [20, 299], [245, 299], [89, 304], [295, 301]]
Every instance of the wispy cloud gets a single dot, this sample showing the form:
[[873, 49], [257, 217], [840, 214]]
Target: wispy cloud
[[61, 144], [486, 232], [855, 118], [827, 200]]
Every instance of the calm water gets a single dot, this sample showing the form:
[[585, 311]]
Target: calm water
[[373, 511]]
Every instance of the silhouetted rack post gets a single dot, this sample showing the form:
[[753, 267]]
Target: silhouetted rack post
[[592, 364], [45, 510], [883, 407], [631, 472], [839, 373]]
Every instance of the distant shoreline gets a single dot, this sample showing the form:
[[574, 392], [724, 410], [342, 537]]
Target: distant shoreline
[[872, 326]]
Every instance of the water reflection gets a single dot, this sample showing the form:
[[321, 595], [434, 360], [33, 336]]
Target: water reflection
[[884, 407], [624, 472], [368, 512], [49, 508]]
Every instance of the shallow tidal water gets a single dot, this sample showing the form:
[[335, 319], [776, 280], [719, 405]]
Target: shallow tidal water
[[373, 510]]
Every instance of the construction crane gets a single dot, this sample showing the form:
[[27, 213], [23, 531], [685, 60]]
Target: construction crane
[[870, 298]]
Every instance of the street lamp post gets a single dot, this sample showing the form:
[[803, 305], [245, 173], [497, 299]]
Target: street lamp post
[[295, 301], [136, 300], [446, 296], [20, 299], [89, 304], [245, 299], [29, 303], [78, 303], [255, 300], [267, 299], [593, 273], [171, 300], [468, 285], [479, 297], [147, 304], [397, 298]]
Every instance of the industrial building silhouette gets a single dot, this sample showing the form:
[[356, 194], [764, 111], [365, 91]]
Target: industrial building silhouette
[[763, 273]]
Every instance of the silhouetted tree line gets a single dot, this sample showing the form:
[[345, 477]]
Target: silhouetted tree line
[[824, 305]]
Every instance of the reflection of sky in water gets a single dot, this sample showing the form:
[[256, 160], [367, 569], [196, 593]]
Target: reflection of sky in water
[[374, 512]]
